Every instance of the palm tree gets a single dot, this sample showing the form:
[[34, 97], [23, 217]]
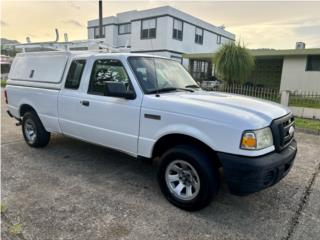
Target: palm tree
[[233, 63]]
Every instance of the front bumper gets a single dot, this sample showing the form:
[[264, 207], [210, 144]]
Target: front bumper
[[246, 175]]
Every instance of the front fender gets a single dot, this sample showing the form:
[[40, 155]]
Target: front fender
[[186, 130], [219, 136], [149, 138]]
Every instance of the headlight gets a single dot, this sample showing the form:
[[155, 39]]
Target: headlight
[[256, 139]]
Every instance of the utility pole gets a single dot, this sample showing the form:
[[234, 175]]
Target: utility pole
[[100, 19]]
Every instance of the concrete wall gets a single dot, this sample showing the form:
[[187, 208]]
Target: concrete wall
[[123, 39], [188, 45], [164, 40], [295, 77], [311, 113], [158, 43]]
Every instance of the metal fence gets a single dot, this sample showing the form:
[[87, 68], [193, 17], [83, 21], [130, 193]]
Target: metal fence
[[296, 98], [258, 92], [304, 99]]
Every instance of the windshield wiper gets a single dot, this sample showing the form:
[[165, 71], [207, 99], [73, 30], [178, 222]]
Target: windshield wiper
[[192, 86], [169, 89]]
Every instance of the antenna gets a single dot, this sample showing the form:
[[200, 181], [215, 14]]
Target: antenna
[[57, 35], [100, 19], [66, 37]]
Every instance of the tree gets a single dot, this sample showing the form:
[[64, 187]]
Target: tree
[[233, 63]]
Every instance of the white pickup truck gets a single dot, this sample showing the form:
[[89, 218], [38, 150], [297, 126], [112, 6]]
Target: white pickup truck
[[150, 107]]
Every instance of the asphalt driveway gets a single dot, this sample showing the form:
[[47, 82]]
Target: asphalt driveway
[[75, 190]]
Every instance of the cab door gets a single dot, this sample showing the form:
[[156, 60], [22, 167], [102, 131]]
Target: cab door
[[93, 114]]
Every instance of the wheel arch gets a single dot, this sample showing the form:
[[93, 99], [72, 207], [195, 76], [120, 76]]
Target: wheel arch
[[170, 140], [26, 108]]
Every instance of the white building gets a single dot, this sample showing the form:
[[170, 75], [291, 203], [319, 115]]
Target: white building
[[163, 31], [290, 69]]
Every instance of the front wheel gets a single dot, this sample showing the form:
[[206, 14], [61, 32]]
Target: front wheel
[[187, 177], [33, 131]]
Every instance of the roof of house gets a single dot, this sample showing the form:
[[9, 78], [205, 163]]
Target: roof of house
[[286, 52], [262, 53]]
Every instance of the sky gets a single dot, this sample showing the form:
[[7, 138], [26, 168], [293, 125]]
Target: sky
[[257, 24]]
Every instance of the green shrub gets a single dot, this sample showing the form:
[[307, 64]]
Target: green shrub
[[233, 63]]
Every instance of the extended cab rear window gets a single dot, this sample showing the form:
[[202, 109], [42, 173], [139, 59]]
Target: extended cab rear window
[[75, 74]]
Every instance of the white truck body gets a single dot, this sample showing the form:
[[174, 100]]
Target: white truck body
[[217, 119], [133, 126]]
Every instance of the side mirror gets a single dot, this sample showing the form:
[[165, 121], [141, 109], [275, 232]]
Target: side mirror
[[118, 89]]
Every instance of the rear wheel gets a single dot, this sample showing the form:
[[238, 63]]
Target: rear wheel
[[187, 177], [33, 131]]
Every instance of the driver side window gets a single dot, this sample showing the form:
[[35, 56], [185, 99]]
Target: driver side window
[[106, 71]]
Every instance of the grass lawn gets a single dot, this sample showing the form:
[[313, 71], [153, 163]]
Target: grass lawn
[[307, 101], [3, 83], [305, 104], [308, 123]]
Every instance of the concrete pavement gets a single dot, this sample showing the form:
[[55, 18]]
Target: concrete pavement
[[76, 190]]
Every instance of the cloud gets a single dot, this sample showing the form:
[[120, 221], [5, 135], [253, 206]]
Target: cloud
[[32, 35], [74, 5], [279, 34], [300, 22], [4, 24], [288, 23], [72, 22]]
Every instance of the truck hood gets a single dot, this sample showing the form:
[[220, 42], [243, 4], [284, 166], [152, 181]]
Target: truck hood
[[245, 112]]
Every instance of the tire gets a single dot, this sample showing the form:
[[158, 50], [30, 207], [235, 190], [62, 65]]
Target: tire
[[32, 123], [198, 168]]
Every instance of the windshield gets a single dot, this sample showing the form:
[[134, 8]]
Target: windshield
[[159, 75]]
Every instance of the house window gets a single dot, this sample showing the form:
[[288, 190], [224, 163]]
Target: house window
[[97, 32], [148, 28], [218, 39], [199, 36], [124, 29], [313, 63], [200, 70], [177, 29]]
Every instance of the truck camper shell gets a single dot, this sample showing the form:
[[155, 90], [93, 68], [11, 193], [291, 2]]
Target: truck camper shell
[[42, 69], [39, 69]]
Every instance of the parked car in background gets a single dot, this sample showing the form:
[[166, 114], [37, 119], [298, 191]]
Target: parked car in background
[[211, 84], [150, 107], [5, 62]]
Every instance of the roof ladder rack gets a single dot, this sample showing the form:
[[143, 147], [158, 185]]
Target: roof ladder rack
[[90, 44]]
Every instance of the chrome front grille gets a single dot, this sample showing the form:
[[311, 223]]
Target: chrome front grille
[[282, 132]]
